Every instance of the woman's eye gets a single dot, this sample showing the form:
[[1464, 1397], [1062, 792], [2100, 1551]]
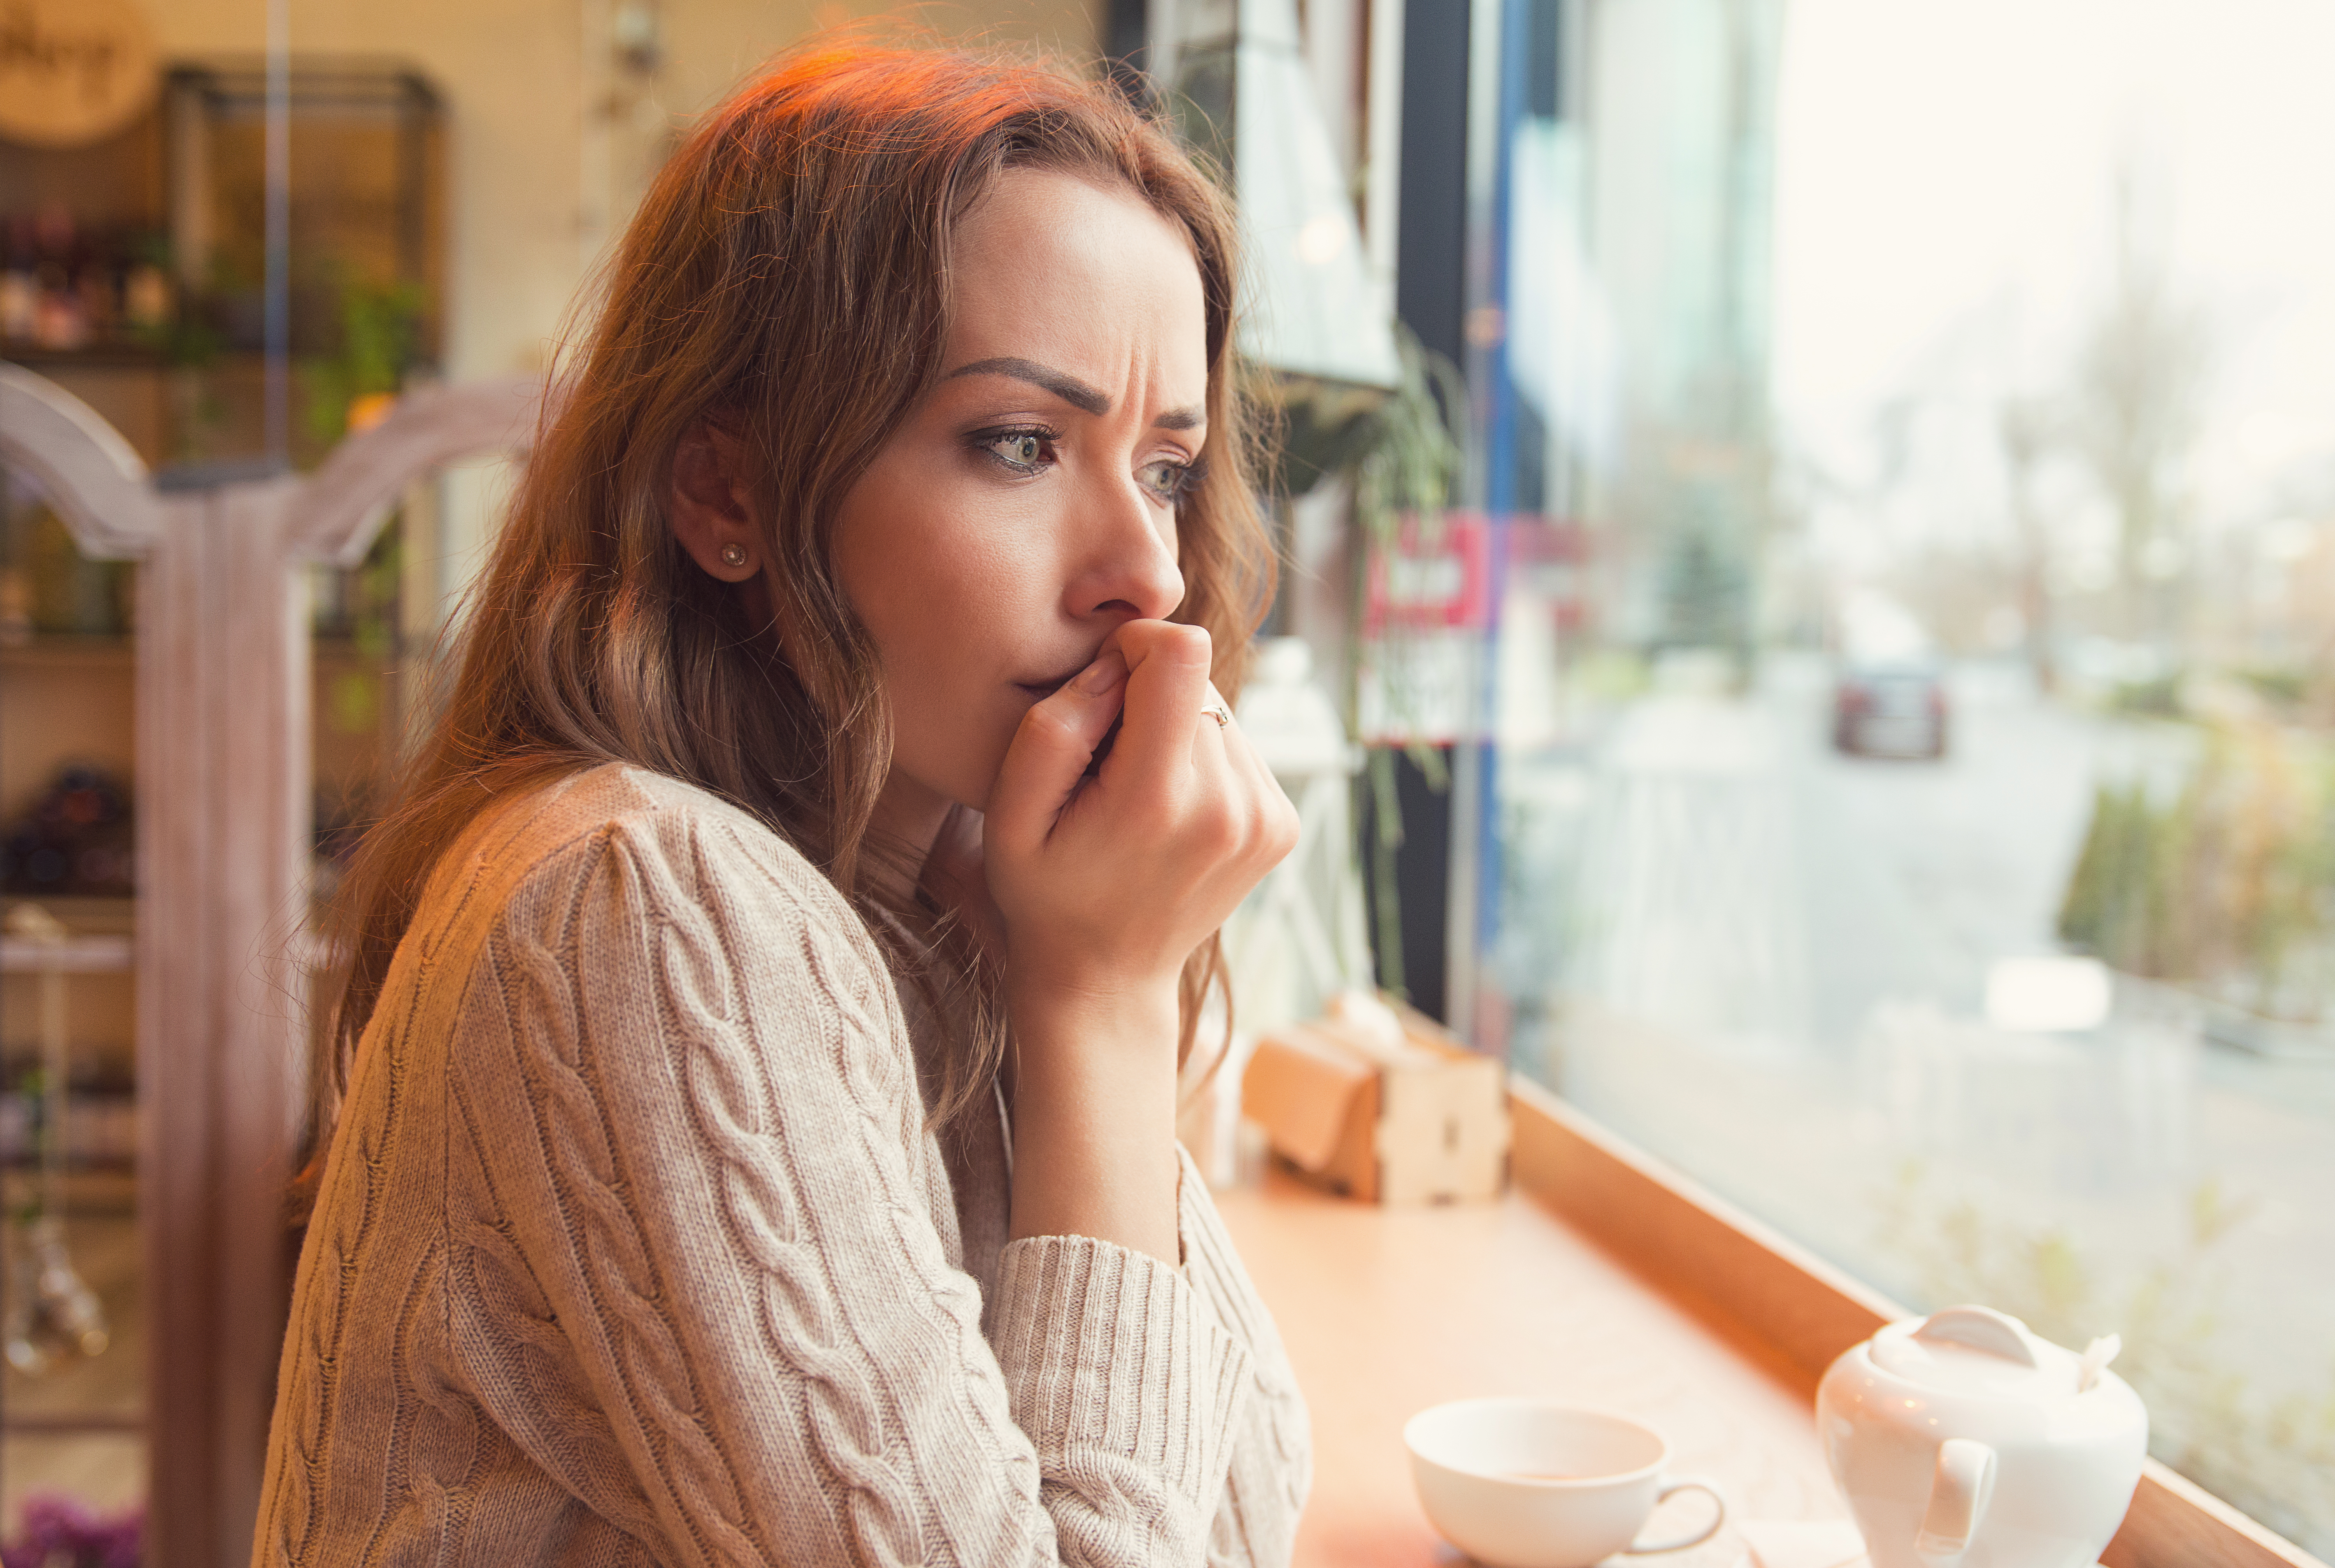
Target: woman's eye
[[1166, 479], [1025, 452]]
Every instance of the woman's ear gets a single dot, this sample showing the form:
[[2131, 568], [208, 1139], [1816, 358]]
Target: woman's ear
[[712, 511]]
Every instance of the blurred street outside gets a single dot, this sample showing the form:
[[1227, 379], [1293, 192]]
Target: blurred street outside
[[1805, 936]]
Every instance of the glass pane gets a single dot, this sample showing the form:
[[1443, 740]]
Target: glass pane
[[364, 272], [72, 1331], [1909, 442]]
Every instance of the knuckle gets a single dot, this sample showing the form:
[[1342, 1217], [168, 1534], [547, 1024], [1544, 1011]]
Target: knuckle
[[1267, 840], [1188, 645], [1219, 830], [1051, 727], [1283, 827]]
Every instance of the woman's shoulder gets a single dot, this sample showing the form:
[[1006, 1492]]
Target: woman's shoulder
[[673, 841]]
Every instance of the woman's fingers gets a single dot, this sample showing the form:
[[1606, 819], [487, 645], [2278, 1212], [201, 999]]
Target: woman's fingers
[[1166, 686], [1209, 732], [1272, 816], [1051, 748]]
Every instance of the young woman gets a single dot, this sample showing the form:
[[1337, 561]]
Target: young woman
[[751, 1121]]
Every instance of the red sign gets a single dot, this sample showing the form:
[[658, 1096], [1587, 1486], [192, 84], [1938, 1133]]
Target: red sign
[[1441, 579], [1431, 579]]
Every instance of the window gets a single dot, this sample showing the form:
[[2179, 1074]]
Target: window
[[1906, 472]]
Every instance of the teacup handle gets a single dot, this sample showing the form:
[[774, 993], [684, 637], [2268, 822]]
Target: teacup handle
[[1718, 1516]]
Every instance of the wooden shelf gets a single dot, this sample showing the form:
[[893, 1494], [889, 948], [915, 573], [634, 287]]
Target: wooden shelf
[[69, 1426], [77, 653], [96, 356], [86, 915], [122, 1163], [73, 955]]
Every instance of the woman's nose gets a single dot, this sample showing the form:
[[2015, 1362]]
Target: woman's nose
[[1128, 569]]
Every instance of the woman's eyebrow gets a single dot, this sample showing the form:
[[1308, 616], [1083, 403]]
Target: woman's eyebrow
[[1068, 388], [1073, 391]]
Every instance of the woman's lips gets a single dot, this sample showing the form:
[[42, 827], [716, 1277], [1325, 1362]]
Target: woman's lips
[[1038, 691]]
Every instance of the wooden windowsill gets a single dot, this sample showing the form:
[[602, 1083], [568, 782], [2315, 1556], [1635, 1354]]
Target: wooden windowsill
[[1604, 1279]]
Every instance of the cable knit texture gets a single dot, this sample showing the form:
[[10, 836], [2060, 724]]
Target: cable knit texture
[[634, 1249]]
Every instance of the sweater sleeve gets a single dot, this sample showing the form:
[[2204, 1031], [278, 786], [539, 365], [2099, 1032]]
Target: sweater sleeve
[[1272, 1465], [721, 1312]]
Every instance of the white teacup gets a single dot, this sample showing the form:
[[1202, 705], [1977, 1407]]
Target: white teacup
[[1526, 1484]]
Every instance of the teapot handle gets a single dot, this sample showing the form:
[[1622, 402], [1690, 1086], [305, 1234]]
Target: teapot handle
[[1960, 1491]]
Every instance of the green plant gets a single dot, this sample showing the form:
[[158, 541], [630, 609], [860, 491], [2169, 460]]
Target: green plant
[[1409, 461], [1705, 588], [361, 603], [2158, 697], [2116, 905], [182, 340], [2228, 885], [380, 330], [2286, 689], [1404, 463]]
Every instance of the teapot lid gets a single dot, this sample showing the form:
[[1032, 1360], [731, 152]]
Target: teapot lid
[[1979, 1351]]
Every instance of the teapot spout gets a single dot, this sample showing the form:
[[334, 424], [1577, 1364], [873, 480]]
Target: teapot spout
[[1960, 1491]]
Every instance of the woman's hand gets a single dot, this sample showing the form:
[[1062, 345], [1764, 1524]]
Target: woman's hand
[[1104, 884], [1107, 884]]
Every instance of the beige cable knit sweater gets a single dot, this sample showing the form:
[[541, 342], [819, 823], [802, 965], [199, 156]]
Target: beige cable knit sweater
[[633, 1248]]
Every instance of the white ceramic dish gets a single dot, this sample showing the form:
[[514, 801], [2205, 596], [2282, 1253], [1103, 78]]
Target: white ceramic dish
[[1528, 1484]]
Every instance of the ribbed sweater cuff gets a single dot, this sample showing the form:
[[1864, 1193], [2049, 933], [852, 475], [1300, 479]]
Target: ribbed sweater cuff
[[1106, 1348]]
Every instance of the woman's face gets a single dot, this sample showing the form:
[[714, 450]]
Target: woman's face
[[1027, 507]]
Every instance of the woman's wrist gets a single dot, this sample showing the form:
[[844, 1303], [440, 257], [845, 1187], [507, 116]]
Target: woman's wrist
[[1094, 1119], [1080, 1003]]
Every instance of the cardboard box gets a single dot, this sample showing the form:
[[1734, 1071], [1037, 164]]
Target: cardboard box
[[1390, 1117]]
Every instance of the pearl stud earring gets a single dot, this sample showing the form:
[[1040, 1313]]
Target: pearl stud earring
[[733, 555]]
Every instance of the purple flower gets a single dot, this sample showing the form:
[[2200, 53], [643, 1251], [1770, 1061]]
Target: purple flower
[[61, 1531]]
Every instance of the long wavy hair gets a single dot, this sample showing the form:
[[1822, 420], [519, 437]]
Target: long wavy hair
[[785, 277]]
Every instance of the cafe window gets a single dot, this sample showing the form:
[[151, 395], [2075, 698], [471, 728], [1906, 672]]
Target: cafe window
[[1903, 653]]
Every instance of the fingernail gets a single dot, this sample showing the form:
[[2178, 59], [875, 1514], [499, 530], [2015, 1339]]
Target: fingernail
[[1102, 675]]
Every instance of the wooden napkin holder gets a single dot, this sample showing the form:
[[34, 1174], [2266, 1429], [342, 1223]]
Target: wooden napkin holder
[[1419, 1120]]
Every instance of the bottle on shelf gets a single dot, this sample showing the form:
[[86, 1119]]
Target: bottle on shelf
[[53, 1315], [65, 286]]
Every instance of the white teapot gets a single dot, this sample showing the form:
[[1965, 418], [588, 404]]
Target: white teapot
[[1961, 1440]]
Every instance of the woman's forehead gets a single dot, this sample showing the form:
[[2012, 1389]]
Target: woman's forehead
[[1056, 270]]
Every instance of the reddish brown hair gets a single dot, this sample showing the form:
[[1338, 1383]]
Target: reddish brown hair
[[784, 278]]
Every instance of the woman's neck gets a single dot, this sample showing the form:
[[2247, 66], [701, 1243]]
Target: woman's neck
[[907, 820]]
